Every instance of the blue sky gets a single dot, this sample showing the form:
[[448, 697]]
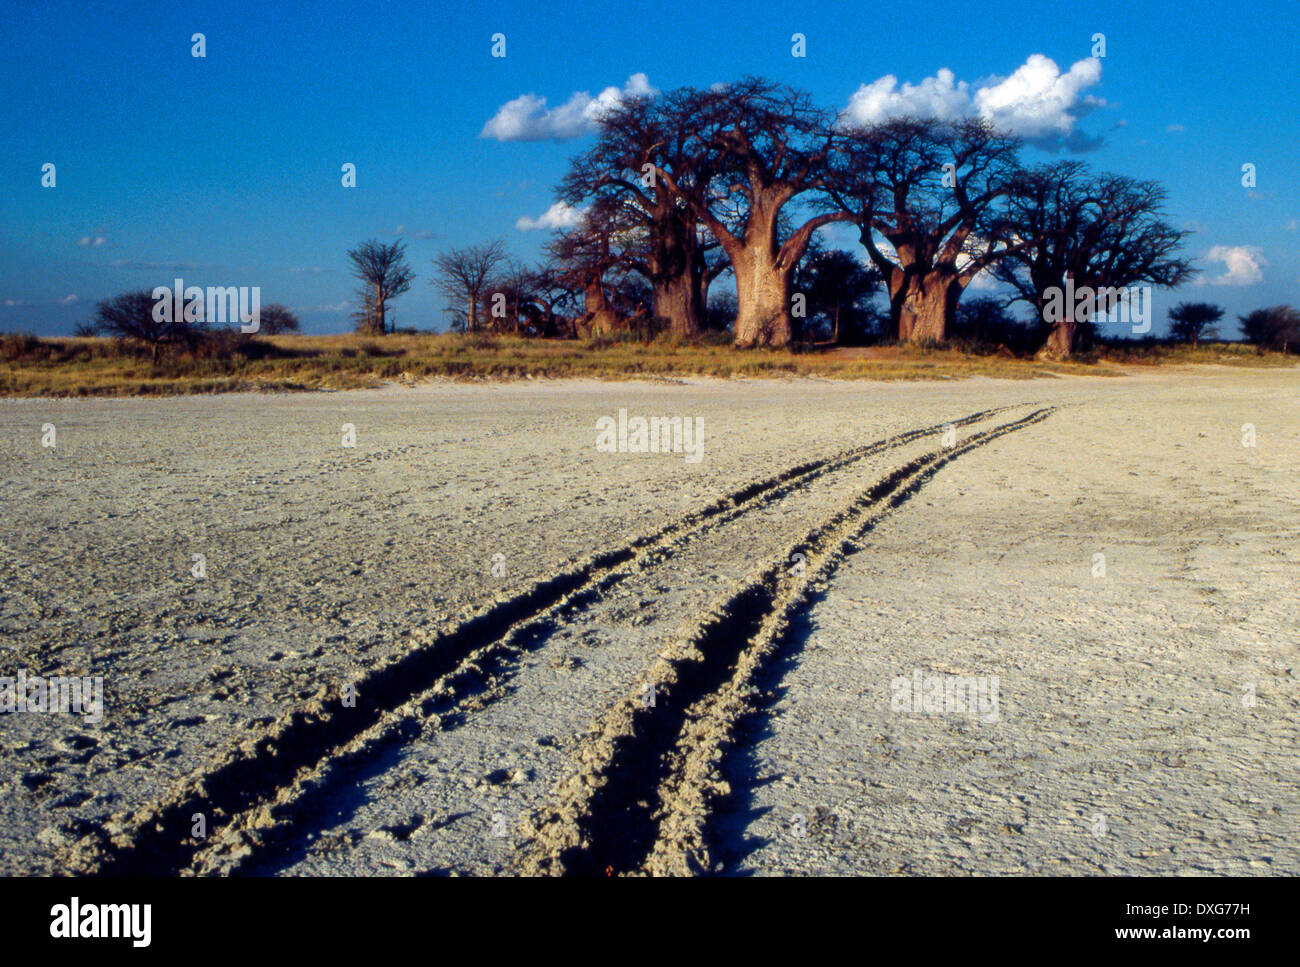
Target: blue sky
[[225, 170]]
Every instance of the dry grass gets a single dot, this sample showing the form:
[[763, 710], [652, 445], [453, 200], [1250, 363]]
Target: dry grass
[[100, 367]]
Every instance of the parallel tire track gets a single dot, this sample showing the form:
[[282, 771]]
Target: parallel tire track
[[647, 781], [259, 839], [305, 747]]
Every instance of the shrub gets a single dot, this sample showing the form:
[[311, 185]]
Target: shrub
[[275, 319], [21, 347], [130, 316], [1277, 327]]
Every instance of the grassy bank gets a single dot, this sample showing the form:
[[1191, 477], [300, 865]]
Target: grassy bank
[[102, 367]]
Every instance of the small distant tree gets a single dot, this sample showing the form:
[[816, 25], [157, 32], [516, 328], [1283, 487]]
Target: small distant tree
[[985, 320], [276, 319], [512, 282], [1277, 327], [840, 291], [721, 313], [131, 316], [1194, 321], [384, 276], [462, 276]]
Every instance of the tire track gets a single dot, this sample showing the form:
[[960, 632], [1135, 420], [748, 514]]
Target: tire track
[[502, 765], [254, 786], [276, 839], [643, 793]]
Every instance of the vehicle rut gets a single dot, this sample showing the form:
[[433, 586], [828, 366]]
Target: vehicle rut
[[646, 782], [247, 798]]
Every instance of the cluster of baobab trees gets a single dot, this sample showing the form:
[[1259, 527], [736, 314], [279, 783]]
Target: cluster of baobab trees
[[689, 183], [683, 186]]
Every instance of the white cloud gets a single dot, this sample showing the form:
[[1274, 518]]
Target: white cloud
[[1244, 264], [939, 97], [559, 215], [159, 266], [422, 233], [1175, 128], [527, 117], [67, 300], [87, 242], [1037, 102]]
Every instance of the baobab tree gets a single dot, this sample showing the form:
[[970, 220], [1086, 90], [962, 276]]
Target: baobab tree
[[933, 190], [462, 274], [548, 293], [752, 148], [1097, 232], [384, 276], [585, 254], [637, 136]]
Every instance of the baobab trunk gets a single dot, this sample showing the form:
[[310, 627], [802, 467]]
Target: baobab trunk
[[923, 305], [600, 318], [674, 266], [763, 293], [677, 301], [1060, 341]]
